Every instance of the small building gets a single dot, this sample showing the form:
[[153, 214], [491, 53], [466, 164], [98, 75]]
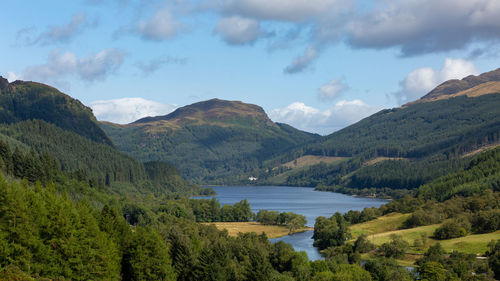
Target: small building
[[252, 178]]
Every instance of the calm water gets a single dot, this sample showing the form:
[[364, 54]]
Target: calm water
[[300, 200]]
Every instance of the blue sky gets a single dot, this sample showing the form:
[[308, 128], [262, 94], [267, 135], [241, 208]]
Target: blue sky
[[318, 65]]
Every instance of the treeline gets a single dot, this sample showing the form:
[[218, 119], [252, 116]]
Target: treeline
[[332, 235], [45, 235], [37, 150], [209, 210], [227, 152], [426, 141], [290, 219]]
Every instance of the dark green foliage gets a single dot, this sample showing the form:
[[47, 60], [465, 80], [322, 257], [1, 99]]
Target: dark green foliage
[[362, 244], [21, 101], [396, 248], [49, 235], [165, 177], [421, 217], [436, 265], [330, 232], [483, 172], [205, 210], [453, 229], [486, 221], [76, 154], [494, 257], [208, 148], [147, 257], [290, 219], [387, 269], [429, 136]]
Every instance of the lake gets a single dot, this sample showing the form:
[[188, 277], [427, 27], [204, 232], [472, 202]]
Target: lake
[[300, 200]]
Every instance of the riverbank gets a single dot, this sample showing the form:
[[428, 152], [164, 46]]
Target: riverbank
[[272, 231]]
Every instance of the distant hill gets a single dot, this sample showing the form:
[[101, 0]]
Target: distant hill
[[214, 141], [457, 87], [403, 147], [20, 101]]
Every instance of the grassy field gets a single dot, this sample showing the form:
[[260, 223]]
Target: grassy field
[[385, 223], [379, 231], [272, 231], [473, 244], [309, 160], [408, 234]]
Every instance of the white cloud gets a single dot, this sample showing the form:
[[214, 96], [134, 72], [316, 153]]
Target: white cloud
[[56, 33], [311, 119], [425, 26], [127, 110], [285, 10], [161, 26], [236, 30], [422, 80], [90, 68], [332, 89], [153, 65], [11, 76], [302, 62]]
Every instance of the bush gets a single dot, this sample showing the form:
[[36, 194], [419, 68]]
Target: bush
[[396, 248], [453, 229]]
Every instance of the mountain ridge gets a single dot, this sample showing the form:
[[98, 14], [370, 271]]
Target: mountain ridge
[[213, 109], [455, 85], [206, 140], [26, 100]]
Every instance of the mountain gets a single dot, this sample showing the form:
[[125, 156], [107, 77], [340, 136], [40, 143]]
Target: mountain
[[46, 135], [20, 101], [402, 148], [471, 85], [214, 141]]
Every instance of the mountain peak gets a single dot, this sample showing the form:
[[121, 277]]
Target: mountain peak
[[212, 110], [454, 86]]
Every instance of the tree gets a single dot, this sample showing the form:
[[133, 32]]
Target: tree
[[396, 248]]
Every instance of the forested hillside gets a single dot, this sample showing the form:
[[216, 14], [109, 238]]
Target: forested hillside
[[22, 100], [399, 148], [47, 131], [211, 142]]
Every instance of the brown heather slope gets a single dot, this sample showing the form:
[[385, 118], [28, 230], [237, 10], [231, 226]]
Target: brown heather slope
[[472, 86]]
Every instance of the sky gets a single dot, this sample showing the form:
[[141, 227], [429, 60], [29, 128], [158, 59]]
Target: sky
[[318, 65]]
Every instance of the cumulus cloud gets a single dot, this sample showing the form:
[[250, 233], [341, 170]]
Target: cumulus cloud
[[161, 26], [127, 110], [148, 67], [413, 27], [311, 119], [332, 89], [425, 26], [56, 33], [422, 80], [11, 76], [303, 61], [91, 68], [284, 10], [236, 30]]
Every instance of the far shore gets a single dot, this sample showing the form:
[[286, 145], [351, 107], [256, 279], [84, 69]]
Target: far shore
[[272, 231]]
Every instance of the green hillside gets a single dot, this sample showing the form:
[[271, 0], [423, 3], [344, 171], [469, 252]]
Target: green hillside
[[22, 100], [213, 142], [403, 147], [53, 133]]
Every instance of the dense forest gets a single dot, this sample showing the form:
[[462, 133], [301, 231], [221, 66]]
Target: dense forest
[[72, 207], [211, 142], [415, 144]]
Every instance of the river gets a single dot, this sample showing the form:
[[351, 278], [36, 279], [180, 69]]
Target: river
[[300, 200]]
